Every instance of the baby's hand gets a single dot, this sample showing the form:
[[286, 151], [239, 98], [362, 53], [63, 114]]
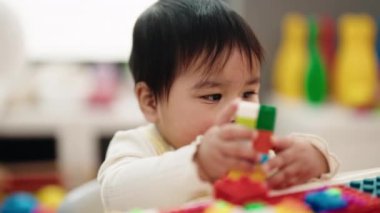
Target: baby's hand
[[224, 147], [296, 162]]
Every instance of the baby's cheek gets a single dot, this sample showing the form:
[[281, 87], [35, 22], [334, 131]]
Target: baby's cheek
[[199, 129], [207, 124]]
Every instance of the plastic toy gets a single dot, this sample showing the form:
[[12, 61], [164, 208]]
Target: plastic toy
[[20, 202], [239, 187], [369, 185], [46, 200], [355, 80], [315, 79], [291, 58], [325, 200], [51, 196]]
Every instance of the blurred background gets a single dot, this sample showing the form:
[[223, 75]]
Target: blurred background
[[65, 87]]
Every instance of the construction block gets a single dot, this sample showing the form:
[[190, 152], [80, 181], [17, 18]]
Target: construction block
[[235, 175], [289, 205], [325, 201], [241, 191], [263, 142], [267, 118], [247, 114], [264, 158], [258, 174]]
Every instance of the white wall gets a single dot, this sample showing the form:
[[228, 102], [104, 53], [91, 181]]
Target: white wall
[[78, 30]]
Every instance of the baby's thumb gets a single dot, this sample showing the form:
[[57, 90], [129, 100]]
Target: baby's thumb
[[227, 114]]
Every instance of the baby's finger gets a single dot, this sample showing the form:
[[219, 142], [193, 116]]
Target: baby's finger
[[236, 132], [239, 150], [227, 114], [280, 144], [280, 161], [241, 165], [288, 176]]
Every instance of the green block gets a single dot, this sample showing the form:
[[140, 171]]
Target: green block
[[254, 206], [335, 192], [267, 118]]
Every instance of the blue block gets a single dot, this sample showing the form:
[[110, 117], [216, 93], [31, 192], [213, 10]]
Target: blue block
[[20, 202], [322, 201], [264, 158]]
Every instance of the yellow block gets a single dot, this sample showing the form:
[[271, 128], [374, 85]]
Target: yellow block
[[235, 175], [292, 206], [258, 174], [220, 207]]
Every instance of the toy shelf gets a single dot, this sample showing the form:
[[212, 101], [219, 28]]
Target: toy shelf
[[78, 156]]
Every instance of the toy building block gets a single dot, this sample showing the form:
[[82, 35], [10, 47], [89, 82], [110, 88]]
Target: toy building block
[[239, 192], [239, 187], [247, 114], [265, 125], [290, 205], [326, 200]]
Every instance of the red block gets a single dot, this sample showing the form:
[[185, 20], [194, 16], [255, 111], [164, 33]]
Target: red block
[[239, 192], [263, 142]]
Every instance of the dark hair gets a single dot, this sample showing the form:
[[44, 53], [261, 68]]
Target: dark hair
[[172, 34]]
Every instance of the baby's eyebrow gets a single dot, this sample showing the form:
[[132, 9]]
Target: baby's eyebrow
[[206, 84], [254, 80]]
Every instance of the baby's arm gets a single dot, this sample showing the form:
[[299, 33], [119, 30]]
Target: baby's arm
[[132, 176]]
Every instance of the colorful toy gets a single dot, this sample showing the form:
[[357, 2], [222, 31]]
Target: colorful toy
[[46, 200], [315, 79], [238, 187], [356, 66], [20, 202], [332, 198], [369, 185], [327, 47], [51, 196], [335, 199], [325, 200], [291, 59]]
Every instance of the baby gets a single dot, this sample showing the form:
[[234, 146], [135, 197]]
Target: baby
[[192, 60]]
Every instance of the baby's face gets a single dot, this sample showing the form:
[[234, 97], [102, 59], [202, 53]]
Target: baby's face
[[194, 101]]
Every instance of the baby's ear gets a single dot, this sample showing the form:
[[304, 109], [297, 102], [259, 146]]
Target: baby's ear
[[147, 101]]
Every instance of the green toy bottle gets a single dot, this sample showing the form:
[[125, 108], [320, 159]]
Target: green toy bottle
[[315, 78]]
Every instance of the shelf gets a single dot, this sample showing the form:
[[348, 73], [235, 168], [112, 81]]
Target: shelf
[[76, 130]]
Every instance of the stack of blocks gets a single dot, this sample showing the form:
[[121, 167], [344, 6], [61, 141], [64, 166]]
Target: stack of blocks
[[239, 187]]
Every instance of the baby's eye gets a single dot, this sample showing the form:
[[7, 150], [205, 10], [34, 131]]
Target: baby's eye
[[249, 94], [212, 97]]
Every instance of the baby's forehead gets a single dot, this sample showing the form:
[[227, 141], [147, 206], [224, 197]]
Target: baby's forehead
[[208, 64], [214, 69]]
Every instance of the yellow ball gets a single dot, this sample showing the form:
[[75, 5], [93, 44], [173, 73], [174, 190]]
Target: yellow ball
[[51, 196]]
